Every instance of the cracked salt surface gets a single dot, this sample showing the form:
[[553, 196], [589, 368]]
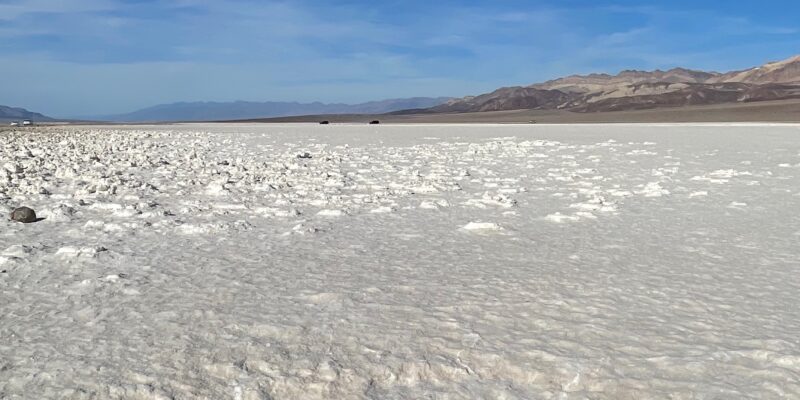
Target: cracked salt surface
[[291, 261]]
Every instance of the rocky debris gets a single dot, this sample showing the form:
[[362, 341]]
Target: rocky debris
[[23, 214], [59, 213], [114, 172], [127, 180], [12, 168]]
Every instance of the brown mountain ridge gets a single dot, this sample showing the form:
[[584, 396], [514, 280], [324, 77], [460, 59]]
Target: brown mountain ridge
[[638, 90]]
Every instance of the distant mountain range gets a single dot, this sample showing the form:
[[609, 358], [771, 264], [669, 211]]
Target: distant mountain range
[[8, 114], [215, 111], [625, 91], [636, 90]]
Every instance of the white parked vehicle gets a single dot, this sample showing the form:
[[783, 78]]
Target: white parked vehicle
[[15, 123], [27, 122]]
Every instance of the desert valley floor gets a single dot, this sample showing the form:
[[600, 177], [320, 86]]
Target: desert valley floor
[[248, 261]]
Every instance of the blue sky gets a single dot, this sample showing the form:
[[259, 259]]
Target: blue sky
[[90, 57]]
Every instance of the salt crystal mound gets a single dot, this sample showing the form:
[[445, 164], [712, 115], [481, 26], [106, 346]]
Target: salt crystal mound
[[481, 226], [485, 261]]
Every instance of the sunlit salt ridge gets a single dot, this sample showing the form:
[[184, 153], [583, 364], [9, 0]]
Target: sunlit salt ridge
[[304, 261]]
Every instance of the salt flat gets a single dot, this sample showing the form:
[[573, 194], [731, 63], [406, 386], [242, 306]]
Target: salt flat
[[386, 262]]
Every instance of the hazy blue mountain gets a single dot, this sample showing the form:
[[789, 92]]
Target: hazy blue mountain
[[18, 114], [218, 111]]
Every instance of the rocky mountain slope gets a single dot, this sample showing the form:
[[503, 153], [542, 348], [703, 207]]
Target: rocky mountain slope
[[634, 90], [786, 71], [506, 99]]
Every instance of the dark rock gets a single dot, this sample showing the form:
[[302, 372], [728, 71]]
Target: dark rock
[[24, 215]]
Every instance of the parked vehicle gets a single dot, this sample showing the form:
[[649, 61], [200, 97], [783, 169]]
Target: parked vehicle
[[324, 122], [15, 123], [27, 122], [375, 122]]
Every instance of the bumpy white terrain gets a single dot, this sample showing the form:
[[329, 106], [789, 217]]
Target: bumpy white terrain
[[387, 262]]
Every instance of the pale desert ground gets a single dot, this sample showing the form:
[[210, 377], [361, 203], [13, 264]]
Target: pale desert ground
[[784, 111], [390, 262]]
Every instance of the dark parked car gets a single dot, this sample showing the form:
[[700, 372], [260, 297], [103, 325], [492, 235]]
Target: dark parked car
[[375, 122], [324, 122]]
